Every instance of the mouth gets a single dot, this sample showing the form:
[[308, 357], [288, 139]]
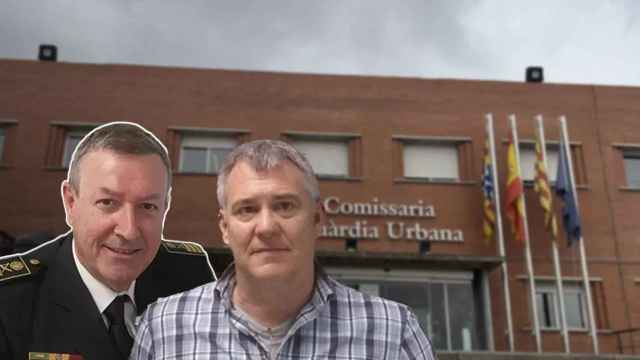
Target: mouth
[[269, 251], [121, 251]]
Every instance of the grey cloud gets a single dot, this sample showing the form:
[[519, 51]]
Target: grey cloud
[[482, 39]]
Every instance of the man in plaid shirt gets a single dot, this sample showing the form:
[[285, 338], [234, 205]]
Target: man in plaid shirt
[[275, 302]]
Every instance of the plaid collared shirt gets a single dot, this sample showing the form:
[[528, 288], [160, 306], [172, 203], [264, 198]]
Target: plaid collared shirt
[[337, 323]]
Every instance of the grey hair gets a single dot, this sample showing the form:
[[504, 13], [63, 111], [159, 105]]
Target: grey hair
[[264, 155], [120, 137]]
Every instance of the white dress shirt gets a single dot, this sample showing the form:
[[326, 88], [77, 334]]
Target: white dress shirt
[[103, 296]]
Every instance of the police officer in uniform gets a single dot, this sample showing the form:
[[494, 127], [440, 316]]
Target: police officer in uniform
[[78, 296]]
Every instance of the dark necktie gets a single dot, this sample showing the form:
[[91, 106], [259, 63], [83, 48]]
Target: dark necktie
[[117, 327]]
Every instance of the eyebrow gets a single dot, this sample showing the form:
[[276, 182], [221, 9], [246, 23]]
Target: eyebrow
[[155, 196], [285, 196]]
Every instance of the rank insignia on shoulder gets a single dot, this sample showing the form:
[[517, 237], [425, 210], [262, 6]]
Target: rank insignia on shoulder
[[183, 247], [17, 266], [53, 356]]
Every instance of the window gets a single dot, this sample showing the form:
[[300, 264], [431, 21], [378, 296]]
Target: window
[[196, 150], [330, 155], [2, 136], [72, 139], [63, 140], [445, 304], [632, 168], [548, 304], [204, 153], [575, 308], [630, 164], [328, 158], [7, 141], [433, 159], [528, 160]]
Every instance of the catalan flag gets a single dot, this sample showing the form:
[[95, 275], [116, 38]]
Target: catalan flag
[[541, 186], [514, 202], [488, 189]]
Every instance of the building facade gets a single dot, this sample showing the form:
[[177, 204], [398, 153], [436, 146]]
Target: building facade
[[399, 162]]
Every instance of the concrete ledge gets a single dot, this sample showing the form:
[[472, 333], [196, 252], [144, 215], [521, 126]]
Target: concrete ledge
[[528, 356]]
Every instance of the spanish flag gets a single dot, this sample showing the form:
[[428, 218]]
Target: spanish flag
[[514, 201], [541, 186]]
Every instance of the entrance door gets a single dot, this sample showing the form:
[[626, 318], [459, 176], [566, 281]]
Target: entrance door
[[444, 303]]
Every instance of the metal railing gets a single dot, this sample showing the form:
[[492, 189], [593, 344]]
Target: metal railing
[[629, 332]]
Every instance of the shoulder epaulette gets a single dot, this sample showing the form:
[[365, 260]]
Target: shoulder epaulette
[[17, 266], [183, 247]]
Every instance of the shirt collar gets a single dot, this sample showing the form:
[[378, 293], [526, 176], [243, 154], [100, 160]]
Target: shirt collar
[[323, 288], [102, 295]]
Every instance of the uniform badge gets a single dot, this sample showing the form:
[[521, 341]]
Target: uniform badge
[[16, 265], [185, 248], [12, 268], [53, 356]]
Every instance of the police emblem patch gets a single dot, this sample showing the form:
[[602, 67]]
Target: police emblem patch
[[16, 265], [13, 268]]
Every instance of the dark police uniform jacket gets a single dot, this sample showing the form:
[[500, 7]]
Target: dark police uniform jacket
[[46, 308]]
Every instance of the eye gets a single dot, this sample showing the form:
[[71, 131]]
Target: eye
[[150, 207], [245, 212], [285, 207], [106, 204]]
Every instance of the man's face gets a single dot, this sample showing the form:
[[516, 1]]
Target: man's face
[[270, 221], [117, 214]]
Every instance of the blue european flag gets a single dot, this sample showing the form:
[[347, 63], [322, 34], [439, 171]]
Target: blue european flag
[[570, 215]]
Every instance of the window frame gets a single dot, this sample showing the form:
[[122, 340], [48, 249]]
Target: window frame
[[349, 276], [58, 134], [572, 287], [530, 145], [72, 133], [209, 151], [177, 135], [8, 128], [577, 159], [626, 170], [3, 141], [353, 142], [628, 151], [462, 145], [549, 290]]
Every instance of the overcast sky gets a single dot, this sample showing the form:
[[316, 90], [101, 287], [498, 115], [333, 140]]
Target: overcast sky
[[578, 41]]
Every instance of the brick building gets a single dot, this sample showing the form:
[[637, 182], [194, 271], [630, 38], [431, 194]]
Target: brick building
[[399, 162]]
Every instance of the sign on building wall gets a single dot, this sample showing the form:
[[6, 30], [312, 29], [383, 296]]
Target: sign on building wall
[[401, 221]]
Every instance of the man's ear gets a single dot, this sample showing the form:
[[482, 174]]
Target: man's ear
[[224, 227], [69, 199]]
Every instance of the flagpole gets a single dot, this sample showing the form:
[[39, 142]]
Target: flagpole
[[527, 251], [583, 256], [501, 248], [554, 247]]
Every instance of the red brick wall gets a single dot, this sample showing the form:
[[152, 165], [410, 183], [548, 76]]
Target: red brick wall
[[35, 94]]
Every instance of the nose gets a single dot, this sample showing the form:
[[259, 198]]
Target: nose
[[127, 223], [266, 224]]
